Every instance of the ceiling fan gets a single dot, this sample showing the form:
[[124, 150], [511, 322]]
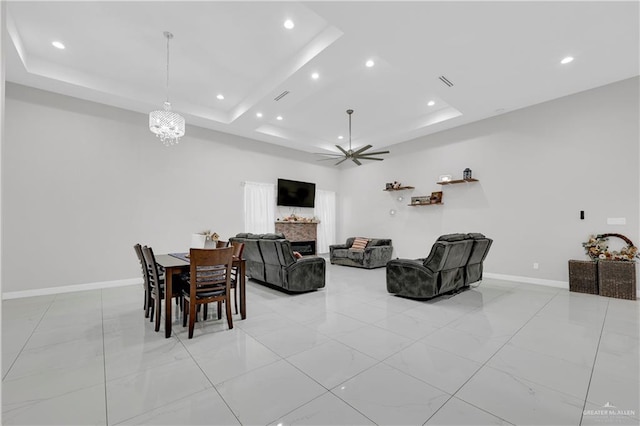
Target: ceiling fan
[[352, 155]]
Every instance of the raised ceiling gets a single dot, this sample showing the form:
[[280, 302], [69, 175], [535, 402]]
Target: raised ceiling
[[500, 56]]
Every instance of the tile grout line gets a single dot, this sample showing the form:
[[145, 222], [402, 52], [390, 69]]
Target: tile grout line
[[379, 362], [205, 375], [593, 367], [29, 338], [489, 359], [104, 361]]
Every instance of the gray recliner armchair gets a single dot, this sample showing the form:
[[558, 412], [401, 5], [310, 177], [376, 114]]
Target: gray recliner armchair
[[455, 262]]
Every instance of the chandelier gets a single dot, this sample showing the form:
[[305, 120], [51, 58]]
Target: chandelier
[[165, 124]]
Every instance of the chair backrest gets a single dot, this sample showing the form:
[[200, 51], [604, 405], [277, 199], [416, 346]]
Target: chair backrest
[[153, 275], [480, 249], [143, 265], [222, 244], [272, 265], [210, 270], [238, 249], [448, 252]]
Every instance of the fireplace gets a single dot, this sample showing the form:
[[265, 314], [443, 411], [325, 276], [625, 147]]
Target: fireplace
[[302, 235], [305, 248]]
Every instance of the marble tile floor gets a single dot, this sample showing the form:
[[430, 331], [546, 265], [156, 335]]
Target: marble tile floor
[[501, 353]]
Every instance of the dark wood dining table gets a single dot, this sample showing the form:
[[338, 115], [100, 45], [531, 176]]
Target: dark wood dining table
[[175, 266]]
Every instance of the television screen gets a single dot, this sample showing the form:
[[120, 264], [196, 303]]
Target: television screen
[[296, 194]]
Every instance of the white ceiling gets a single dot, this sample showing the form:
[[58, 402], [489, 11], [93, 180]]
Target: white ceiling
[[500, 56]]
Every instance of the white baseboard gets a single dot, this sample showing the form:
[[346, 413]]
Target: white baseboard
[[537, 281], [70, 288], [138, 281], [528, 280]]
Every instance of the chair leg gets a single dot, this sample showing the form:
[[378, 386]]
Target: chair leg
[[235, 299], [148, 305], [158, 309], [151, 309], [192, 317], [229, 319], [205, 312], [219, 310], [184, 312]]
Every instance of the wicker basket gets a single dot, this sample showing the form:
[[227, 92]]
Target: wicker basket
[[583, 276], [617, 279]]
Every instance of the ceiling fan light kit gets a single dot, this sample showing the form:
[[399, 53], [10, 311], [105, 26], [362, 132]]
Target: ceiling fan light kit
[[352, 155]]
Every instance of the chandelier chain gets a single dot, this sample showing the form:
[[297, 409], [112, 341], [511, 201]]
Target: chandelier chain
[[168, 126], [168, 35]]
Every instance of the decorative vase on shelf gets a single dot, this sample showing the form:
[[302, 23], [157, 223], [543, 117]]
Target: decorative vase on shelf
[[466, 174], [198, 241]]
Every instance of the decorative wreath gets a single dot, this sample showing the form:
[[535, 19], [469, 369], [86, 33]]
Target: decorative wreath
[[597, 248]]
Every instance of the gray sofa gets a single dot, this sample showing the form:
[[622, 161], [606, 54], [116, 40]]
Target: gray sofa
[[376, 255], [269, 259], [455, 262]]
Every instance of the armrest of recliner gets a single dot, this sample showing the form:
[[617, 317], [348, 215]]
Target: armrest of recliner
[[306, 274], [377, 256], [409, 277]]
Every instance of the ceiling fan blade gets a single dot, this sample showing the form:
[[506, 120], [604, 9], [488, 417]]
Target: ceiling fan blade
[[329, 155], [370, 158], [342, 149], [341, 161], [364, 148], [376, 153], [328, 158], [355, 160]]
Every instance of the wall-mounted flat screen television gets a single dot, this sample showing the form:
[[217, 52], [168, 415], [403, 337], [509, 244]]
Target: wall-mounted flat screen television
[[296, 194]]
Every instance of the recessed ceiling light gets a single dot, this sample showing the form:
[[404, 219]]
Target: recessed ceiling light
[[315, 76], [288, 24], [58, 45], [566, 60], [431, 103], [370, 63], [220, 96], [279, 117], [259, 114], [340, 137]]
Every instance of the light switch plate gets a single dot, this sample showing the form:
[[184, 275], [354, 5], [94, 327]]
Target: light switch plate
[[616, 221]]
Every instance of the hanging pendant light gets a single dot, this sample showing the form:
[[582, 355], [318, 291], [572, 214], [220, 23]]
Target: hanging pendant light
[[165, 124]]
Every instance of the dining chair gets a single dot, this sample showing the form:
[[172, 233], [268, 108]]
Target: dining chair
[[156, 285], [222, 244], [209, 281], [145, 280], [238, 248]]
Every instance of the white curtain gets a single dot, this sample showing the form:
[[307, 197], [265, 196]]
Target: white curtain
[[259, 207], [325, 210]]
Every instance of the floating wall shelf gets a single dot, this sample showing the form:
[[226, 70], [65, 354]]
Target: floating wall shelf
[[402, 188], [450, 182]]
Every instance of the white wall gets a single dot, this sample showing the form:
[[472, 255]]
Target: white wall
[[84, 182], [538, 167]]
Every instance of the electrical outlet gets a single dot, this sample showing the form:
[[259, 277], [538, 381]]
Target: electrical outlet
[[535, 265]]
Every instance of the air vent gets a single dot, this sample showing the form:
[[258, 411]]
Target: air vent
[[281, 95], [445, 80]]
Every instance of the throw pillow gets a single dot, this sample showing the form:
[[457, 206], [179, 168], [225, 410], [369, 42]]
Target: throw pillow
[[359, 244]]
